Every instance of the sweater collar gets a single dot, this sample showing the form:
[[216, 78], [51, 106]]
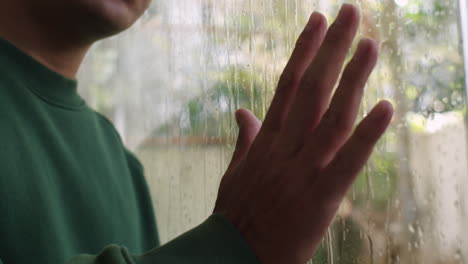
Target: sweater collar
[[44, 82]]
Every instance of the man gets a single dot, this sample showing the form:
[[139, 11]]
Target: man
[[71, 193]]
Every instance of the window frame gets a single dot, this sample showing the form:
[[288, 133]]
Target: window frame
[[463, 7]]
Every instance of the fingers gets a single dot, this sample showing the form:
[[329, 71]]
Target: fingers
[[312, 97], [338, 121], [306, 48], [249, 126], [338, 176]]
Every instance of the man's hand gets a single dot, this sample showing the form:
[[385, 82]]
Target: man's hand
[[289, 174]]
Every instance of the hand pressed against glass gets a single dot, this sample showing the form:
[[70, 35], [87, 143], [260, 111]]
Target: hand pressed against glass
[[289, 174]]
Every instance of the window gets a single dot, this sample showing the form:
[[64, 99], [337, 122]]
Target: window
[[172, 83]]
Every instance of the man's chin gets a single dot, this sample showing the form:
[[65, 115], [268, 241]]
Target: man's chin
[[115, 15], [105, 18], [87, 20]]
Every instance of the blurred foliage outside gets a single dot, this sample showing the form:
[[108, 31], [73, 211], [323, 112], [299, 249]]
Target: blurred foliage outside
[[174, 89]]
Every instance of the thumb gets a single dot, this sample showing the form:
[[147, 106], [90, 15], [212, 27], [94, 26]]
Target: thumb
[[249, 125]]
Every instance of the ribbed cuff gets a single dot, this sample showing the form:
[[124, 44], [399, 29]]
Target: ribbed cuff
[[214, 241]]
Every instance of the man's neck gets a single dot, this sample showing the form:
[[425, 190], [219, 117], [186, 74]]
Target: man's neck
[[63, 56]]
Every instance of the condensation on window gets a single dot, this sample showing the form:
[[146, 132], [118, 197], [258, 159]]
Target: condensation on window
[[172, 83]]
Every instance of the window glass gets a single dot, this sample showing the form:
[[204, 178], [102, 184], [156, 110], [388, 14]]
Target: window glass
[[172, 83]]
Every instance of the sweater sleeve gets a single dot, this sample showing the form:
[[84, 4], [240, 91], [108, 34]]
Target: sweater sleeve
[[212, 242]]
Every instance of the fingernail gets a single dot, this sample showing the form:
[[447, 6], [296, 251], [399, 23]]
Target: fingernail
[[364, 47], [383, 110], [314, 20], [347, 12]]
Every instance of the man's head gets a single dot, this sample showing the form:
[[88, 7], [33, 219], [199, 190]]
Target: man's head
[[88, 20], [58, 33]]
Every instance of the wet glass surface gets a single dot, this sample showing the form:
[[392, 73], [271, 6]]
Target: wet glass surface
[[172, 83]]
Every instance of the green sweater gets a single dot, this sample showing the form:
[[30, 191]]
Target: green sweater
[[70, 192]]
